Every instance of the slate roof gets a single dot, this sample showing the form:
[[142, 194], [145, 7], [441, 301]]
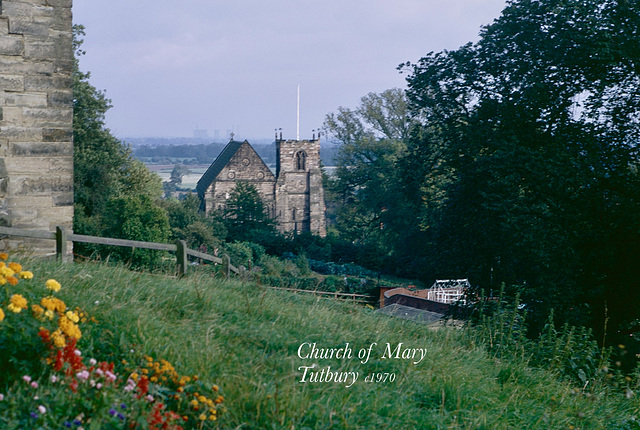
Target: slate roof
[[216, 167]]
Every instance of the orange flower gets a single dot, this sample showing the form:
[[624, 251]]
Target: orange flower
[[3, 255], [16, 267], [12, 280]]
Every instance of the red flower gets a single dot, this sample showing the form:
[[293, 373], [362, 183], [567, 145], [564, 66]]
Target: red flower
[[143, 386]]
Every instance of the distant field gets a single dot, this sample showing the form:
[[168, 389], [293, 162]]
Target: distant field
[[190, 180]]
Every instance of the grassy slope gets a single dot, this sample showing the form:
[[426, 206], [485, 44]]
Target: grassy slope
[[245, 339]]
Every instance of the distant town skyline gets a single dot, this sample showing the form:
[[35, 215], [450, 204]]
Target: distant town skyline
[[171, 69]]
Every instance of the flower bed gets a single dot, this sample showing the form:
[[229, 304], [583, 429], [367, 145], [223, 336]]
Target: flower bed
[[47, 382]]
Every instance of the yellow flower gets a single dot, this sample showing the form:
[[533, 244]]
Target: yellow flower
[[25, 274], [212, 417], [6, 272], [53, 285], [3, 255], [58, 338], [49, 314], [3, 280], [69, 328], [16, 267], [72, 316], [1, 314], [18, 302], [53, 304], [194, 403], [37, 310], [202, 417]]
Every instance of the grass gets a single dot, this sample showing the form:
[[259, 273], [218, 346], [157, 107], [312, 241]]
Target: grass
[[245, 338]]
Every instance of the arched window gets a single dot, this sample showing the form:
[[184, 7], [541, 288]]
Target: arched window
[[301, 160]]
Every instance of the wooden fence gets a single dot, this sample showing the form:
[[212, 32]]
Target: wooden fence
[[61, 236], [361, 298]]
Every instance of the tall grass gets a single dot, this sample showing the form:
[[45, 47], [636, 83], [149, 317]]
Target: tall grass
[[246, 338]]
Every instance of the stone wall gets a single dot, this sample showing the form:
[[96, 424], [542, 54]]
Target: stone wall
[[36, 112], [245, 166], [299, 192]]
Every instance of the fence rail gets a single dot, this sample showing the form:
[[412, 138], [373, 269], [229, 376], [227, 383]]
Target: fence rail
[[180, 248], [337, 295]]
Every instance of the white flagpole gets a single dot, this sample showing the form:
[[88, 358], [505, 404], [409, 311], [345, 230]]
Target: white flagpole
[[298, 116]]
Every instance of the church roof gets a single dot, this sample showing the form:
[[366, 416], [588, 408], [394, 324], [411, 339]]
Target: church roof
[[216, 167]]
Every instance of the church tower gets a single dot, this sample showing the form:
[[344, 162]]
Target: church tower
[[299, 193]]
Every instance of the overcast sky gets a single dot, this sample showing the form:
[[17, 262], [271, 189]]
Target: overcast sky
[[224, 65]]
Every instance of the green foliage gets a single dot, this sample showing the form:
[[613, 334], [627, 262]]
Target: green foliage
[[188, 223], [246, 254], [525, 168], [137, 218], [365, 189], [245, 214]]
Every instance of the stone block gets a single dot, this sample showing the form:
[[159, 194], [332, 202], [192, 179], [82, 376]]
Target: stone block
[[27, 206], [11, 45], [57, 135], [26, 99], [41, 186], [65, 199], [40, 149], [19, 167], [21, 134], [60, 3], [63, 67], [12, 82], [11, 116], [41, 11], [46, 83], [60, 99], [12, 65], [15, 9], [4, 25], [39, 49], [62, 19], [47, 117], [28, 26]]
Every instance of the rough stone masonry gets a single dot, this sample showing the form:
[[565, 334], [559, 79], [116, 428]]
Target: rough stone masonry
[[36, 112]]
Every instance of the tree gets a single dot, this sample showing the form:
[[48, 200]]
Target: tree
[[536, 128], [245, 214], [371, 138], [114, 194], [179, 170], [188, 223]]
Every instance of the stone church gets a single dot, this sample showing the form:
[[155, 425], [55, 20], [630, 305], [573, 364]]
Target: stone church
[[294, 196]]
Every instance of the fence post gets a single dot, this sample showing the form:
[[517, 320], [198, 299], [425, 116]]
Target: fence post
[[226, 262], [181, 257], [61, 243]]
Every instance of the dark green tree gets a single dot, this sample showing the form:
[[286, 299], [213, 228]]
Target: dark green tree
[[529, 140], [245, 215]]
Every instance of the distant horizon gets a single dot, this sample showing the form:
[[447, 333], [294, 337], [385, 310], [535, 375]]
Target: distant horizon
[[214, 140]]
